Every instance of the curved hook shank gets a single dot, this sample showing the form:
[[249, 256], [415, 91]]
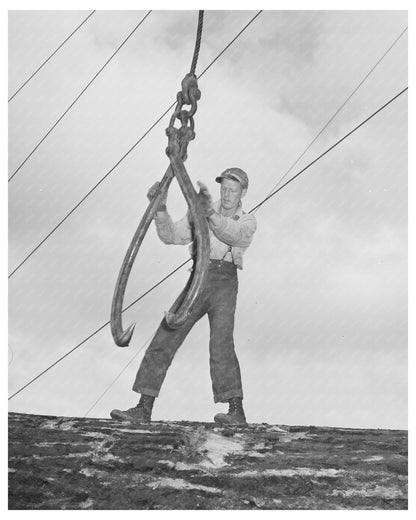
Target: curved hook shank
[[177, 315], [121, 337], [175, 318]]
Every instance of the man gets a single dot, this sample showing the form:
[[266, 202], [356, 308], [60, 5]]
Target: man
[[231, 231]]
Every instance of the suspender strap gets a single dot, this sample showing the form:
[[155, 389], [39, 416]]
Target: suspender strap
[[229, 250]]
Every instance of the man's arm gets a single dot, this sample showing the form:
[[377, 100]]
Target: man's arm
[[170, 232], [238, 233]]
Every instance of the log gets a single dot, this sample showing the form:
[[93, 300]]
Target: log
[[83, 463]]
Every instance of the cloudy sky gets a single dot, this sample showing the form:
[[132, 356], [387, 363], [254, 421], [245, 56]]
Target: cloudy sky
[[321, 323]]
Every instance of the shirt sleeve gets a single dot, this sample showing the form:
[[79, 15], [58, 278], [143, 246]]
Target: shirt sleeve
[[169, 232], [237, 233]]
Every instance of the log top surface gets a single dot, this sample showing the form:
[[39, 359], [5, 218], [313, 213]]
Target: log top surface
[[83, 463]]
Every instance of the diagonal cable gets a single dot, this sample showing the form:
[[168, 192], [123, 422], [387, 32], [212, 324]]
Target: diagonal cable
[[125, 155], [278, 182], [189, 259], [119, 374], [338, 110], [328, 150], [78, 97], [98, 330], [230, 43], [51, 56]]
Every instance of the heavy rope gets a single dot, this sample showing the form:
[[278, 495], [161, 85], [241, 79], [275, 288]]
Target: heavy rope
[[110, 171], [178, 141], [197, 42], [51, 56], [78, 96], [189, 259]]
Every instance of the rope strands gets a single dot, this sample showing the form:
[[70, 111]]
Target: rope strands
[[78, 96], [338, 111], [197, 42], [51, 56], [253, 209], [58, 225], [230, 43]]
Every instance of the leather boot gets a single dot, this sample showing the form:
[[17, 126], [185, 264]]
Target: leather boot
[[235, 413], [139, 414]]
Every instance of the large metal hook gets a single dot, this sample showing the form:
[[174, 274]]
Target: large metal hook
[[178, 141]]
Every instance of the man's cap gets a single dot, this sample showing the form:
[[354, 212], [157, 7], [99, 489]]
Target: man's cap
[[235, 174]]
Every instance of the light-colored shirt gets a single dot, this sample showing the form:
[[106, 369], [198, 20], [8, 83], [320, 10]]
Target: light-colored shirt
[[228, 240]]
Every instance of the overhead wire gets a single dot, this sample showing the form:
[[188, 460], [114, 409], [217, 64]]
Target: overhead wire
[[51, 56], [364, 79], [192, 71], [100, 328], [78, 96], [251, 211], [119, 375], [59, 224], [328, 150], [230, 43], [254, 209], [385, 105]]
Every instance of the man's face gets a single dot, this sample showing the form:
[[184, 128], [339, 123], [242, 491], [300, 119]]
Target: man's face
[[231, 193]]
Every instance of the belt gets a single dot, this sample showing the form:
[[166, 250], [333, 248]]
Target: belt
[[219, 263]]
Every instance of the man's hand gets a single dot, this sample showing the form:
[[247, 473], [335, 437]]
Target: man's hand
[[153, 191], [205, 199]]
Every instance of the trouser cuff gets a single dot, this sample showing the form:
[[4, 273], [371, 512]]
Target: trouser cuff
[[223, 398], [145, 391]]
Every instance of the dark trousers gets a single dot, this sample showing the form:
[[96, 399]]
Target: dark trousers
[[218, 301]]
